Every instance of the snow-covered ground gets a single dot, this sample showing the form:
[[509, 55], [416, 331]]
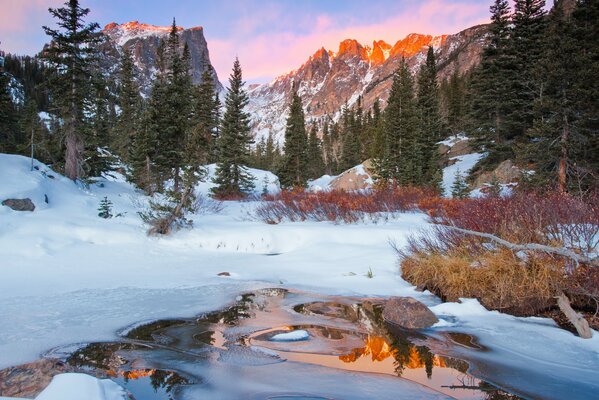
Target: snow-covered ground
[[461, 164], [68, 276]]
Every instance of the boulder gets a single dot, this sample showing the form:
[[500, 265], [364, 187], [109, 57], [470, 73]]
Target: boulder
[[356, 178], [408, 313], [506, 172], [19, 204]]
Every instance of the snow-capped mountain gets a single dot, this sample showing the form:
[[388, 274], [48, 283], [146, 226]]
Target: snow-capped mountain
[[143, 40], [328, 79]]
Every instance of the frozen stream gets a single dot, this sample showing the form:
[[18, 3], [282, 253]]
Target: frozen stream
[[280, 344]]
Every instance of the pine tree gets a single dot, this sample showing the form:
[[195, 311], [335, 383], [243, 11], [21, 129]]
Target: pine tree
[[327, 143], [402, 156], [377, 149], [315, 160], [431, 124], [72, 52], [207, 111], [144, 149], [491, 98], [560, 143], [525, 48], [459, 189], [232, 177], [105, 208], [350, 139], [9, 127], [129, 101], [293, 172]]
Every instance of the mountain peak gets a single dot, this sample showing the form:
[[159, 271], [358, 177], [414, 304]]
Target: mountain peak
[[380, 52], [351, 48], [414, 42]]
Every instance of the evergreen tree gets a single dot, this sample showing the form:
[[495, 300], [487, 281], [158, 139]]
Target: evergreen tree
[[431, 124], [105, 208], [129, 101], [232, 177], [402, 156], [459, 189], [294, 172], [526, 46], [72, 53], [327, 143], [207, 112], [143, 151], [315, 160], [491, 99], [563, 141], [350, 136], [377, 148], [9, 127]]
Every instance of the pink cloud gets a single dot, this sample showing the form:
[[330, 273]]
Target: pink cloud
[[19, 15], [265, 56]]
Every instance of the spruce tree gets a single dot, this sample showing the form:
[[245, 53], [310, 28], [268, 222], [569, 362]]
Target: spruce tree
[[315, 160], [560, 143], [207, 111], [402, 156], [232, 178], [525, 49], [491, 98], [431, 124], [459, 188], [129, 101], [294, 170], [9, 127], [350, 139], [72, 53]]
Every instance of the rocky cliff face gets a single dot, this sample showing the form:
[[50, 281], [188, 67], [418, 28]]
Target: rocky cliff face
[[143, 40], [328, 80]]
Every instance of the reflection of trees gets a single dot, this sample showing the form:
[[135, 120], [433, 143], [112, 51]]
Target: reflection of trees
[[166, 380]]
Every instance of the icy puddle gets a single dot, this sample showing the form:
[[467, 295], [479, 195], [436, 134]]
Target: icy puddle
[[278, 344]]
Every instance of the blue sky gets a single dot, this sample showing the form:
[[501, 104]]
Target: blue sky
[[270, 37]]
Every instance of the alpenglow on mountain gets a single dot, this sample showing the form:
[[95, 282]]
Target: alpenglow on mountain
[[329, 80], [143, 40]]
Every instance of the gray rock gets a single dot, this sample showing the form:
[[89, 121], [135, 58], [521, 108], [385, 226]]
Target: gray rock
[[408, 313], [19, 204]]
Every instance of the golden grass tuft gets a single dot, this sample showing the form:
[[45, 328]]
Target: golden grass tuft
[[499, 279]]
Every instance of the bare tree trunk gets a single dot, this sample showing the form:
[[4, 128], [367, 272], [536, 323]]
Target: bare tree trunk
[[581, 324], [563, 162]]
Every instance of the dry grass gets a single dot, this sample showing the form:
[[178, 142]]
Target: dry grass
[[453, 264], [499, 279]]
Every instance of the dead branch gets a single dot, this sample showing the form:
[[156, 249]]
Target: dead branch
[[560, 251], [581, 324]]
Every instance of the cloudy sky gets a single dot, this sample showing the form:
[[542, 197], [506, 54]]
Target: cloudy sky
[[270, 37]]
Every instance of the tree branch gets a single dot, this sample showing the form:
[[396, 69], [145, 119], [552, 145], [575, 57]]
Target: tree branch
[[561, 251]]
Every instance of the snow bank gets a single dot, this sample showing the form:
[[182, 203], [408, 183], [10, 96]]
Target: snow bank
[[462, 163], [321, 184], [81, 386], [264, 181]]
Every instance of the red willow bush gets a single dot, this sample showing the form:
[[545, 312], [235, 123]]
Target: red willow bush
[[341, 206], [454, 264]]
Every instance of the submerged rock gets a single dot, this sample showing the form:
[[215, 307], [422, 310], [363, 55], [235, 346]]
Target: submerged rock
[[19, 204], [408, 313]]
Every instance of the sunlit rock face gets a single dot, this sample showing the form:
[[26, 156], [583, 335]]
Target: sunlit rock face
[[328, 80], [143, 41]]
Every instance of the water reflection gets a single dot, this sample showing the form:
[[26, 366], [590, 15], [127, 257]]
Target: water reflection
[[348, 334]]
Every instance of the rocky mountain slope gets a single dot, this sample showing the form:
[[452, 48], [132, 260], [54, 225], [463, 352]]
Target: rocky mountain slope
[[143, 40], [328, 80]]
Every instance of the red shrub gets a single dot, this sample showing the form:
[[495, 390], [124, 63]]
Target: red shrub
[[339, 206]]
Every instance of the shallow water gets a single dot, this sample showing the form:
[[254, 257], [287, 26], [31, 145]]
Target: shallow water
[[350, 353]]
